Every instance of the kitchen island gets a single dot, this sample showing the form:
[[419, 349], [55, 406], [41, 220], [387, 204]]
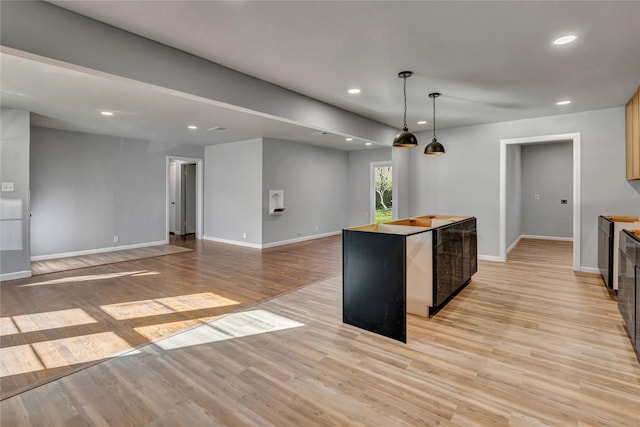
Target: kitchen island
[[413, 265]]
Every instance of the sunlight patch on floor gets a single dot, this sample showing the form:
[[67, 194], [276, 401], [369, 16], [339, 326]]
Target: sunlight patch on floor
[[159, 306], [76, 279], [234, 325], [42, 321], [152, 332], [18, 359], [85, 348]]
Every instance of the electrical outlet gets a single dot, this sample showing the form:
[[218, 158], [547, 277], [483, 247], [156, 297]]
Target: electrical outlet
[[317, 228], [537, 197], [8, 187], [244, 235], [563, 201], [116, 239]]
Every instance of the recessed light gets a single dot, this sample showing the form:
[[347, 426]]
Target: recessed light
[[566, 102], [565, 39], [192, 127], [349, 139], [422, 122], [354, 91], [367, 143], [106, 113]]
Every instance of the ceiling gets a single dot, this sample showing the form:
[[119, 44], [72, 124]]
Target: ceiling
[[492, 61]]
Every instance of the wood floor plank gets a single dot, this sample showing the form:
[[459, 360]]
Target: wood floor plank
[[92, 260], [522, 345], [63, 321]]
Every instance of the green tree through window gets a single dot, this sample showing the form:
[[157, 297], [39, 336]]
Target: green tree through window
[[384, 193]]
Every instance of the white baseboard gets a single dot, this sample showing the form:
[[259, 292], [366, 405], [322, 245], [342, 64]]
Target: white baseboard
[[589, 270], [301, 239], [15, 275], [490, 258], [98, 251], [514, 244], [561, 239], [272, 244], [233, 242]]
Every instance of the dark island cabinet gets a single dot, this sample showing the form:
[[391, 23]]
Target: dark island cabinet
[[455, 258], [605, 250], [629, 284], [411, 265]]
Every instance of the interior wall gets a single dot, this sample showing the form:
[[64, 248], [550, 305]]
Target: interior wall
[[547, 171], [402, 187], [467, 178], [14, 205], [233, 192], [314, 181], [86, 189], [359, 171], [514, 193]]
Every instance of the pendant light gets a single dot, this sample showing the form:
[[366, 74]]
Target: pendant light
[[434, 146], [405, 138]]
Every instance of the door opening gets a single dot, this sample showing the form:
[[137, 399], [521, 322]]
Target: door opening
[[574, 139], [184, 196]]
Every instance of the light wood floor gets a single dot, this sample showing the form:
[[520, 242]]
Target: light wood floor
[[57, 323], [522, 345]]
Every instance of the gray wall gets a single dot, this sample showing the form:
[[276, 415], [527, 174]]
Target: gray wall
[[514, 192], [360, 183], [467, 179], [315, 185], [233, 191], [401, 185], [14, 206], [547, 170], [87, 188]]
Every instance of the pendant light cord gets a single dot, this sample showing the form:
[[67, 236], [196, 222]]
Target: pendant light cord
[[434, 118], [405, 104]]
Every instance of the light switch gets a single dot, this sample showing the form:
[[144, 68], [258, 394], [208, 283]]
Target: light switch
[[7, 187], [537, 197]]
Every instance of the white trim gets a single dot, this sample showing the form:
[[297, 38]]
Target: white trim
[[577, 204], [514, 244], [301, 239], [531, 236], [490, 258], [98, 251], [199, 193], [272, 244], [233, 242], [372, 196], [589, 270], [15, 275]]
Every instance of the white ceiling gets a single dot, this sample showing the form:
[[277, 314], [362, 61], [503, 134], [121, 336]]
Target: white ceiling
[[60, 97], [492, 61]]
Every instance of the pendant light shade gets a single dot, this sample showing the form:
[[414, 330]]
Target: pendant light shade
[[434, 146], [405, 138]]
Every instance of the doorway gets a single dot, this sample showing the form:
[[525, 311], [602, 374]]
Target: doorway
[[381, 190], [184, 201], [574, 139]]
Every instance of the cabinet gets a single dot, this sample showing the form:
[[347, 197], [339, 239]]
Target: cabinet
[[414, 266], [629, 284], [632, 129], [605, 250], [455, 249]]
